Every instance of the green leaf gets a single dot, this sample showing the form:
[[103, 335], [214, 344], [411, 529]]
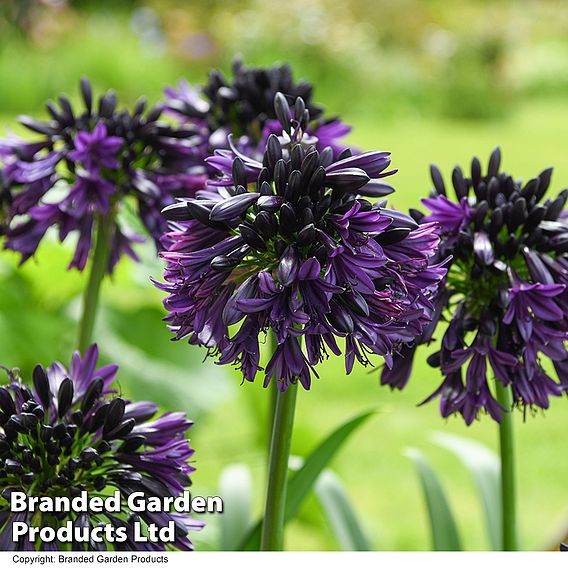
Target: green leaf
[[303, 480], [483, 465], [445, 535], [340, 513], [300, 483], [140, 344], [235, 488]]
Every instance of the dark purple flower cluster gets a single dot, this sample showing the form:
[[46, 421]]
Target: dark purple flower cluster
[[505, 296], [244, 107], [291, 244], [5, 202], [98, 161], [72, 433]]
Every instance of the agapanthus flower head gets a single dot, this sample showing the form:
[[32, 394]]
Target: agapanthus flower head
[[505, 296], [293, 245], [95, 161], [68, 431], [243, 105]]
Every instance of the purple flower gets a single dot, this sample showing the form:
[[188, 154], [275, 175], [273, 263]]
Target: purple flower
[[450, 216], [530, 302], [288, 244], [95, 150], [5, 203], [243, 106], [71, 432], [504, 295], [89, 194], [93, 162]]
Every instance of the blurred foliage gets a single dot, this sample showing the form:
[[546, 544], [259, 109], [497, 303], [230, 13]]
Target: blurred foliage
[[466, 59], [152, 367], [428, 80]]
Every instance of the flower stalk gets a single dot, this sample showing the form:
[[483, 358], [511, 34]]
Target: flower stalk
[[92, 290], [273, 525], [508, 477], [272, 344]]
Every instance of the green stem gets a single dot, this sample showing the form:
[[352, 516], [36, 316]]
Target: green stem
[[273, 525], [273, 390], [508, 481], [96, 275]]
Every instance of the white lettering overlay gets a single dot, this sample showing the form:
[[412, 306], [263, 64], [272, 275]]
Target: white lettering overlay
[[136, 502]]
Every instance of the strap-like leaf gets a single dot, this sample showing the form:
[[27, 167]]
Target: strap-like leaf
[[303, 480], [235, 487], [483, 465], [445, 535], [340, 513]]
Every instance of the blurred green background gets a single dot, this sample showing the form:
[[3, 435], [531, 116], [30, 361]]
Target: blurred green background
[[431, 81]]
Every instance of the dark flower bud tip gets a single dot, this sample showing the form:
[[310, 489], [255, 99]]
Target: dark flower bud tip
[[233, 207], [65, 396], [41, 385], [282, 109], [288, 267], [252, 238], [114, 415]]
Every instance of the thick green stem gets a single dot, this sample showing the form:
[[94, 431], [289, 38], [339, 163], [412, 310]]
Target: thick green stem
[[273, 523], [96, 275], [273, 390], [508, 478]]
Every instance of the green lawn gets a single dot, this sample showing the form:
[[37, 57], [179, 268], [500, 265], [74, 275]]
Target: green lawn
[[38, 303]]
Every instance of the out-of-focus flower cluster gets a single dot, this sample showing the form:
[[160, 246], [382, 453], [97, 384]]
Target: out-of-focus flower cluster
[[505, 296], [98, 161], [243, 106]]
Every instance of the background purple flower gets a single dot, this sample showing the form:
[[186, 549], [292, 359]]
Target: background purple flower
[[291, 244], [71, 432], [5, 202], [92, 162], [243, 105], [505, 296]]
